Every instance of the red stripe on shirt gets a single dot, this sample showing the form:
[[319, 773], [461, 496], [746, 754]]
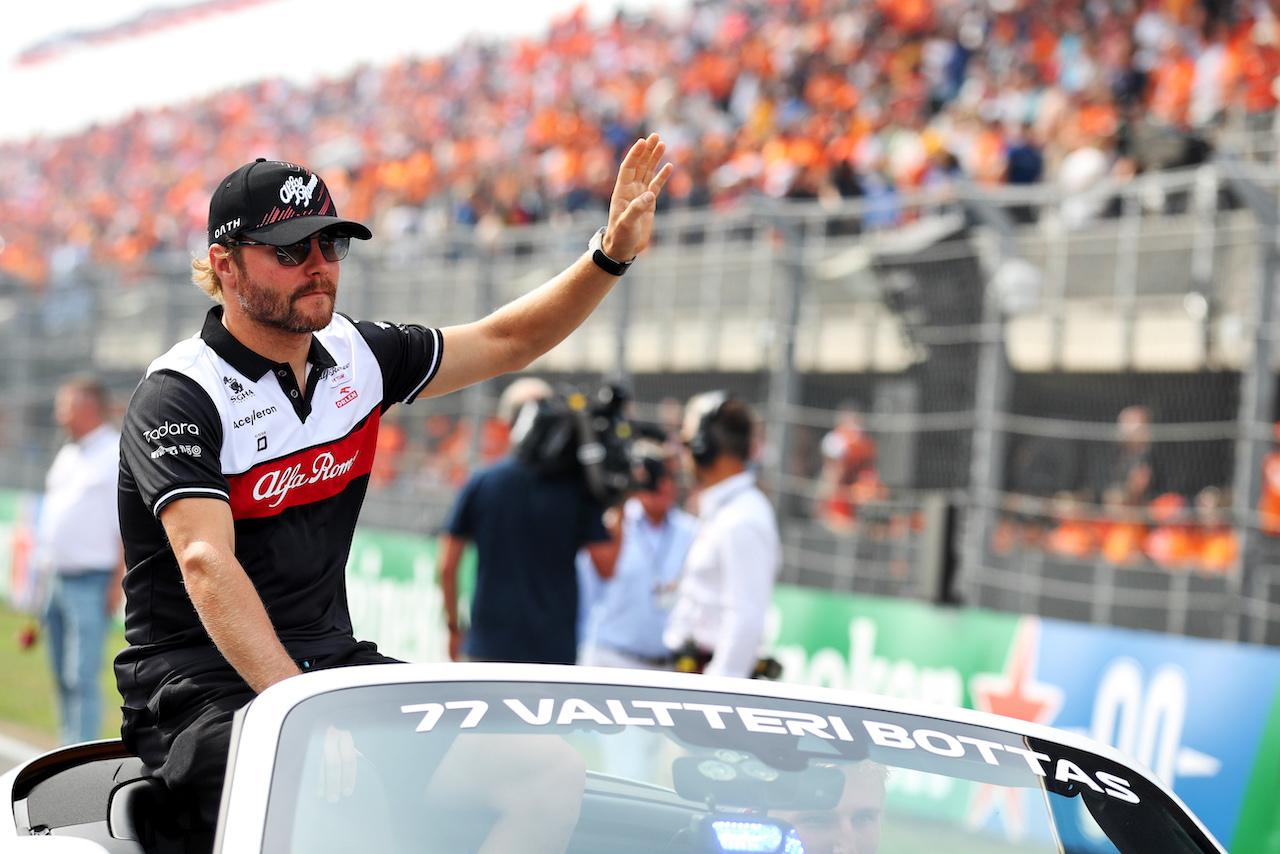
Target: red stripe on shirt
[[305, 477]]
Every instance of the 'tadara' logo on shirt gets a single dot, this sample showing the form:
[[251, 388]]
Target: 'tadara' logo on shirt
[[169, 429]]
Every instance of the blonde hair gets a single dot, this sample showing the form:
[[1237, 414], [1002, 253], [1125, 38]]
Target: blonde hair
[[206, 279]]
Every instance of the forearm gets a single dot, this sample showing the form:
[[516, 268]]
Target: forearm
[[449, 590], [451, 554], [604, 555], [234, 616]]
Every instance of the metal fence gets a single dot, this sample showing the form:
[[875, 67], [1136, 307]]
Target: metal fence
[[991, 347]]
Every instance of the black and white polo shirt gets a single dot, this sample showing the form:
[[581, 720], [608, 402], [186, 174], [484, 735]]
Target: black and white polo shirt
[[213, 419]]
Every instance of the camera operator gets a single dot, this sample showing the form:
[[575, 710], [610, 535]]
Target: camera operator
[[627, 614], [528, 516], [717, 621]]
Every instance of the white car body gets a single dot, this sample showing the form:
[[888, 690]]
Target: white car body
[[589, 710]]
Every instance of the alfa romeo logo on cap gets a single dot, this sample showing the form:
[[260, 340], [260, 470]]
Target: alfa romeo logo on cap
[[295, 193]]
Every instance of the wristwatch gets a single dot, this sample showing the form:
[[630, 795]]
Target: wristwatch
[[603, 261]]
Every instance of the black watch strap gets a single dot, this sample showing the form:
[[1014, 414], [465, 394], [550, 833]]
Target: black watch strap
[[603, 261]]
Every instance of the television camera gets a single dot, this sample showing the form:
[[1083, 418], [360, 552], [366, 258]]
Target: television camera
[[587, 436]]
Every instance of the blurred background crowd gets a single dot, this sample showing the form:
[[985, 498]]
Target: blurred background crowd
[[1112, 449], [813, 99]]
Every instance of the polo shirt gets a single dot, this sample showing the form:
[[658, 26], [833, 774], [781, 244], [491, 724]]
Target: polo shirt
[[213, 419], [527, 529]]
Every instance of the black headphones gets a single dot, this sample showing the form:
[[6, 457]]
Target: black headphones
[[705, 444]]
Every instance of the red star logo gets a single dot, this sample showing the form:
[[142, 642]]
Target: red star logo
[[1015, 693]]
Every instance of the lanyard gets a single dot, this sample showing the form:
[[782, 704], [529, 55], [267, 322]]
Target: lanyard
[[657, 542]]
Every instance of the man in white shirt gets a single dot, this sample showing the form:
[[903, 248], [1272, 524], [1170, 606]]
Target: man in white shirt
[[728, 577], [80, 554]]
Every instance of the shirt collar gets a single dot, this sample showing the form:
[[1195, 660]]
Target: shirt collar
[[633, 511], [715, 497], [244, 360], [97, 434]]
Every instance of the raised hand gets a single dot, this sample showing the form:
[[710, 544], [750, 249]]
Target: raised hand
[[635, 195]]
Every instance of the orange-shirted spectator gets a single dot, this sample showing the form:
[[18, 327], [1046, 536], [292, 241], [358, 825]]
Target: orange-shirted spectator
[[1122, 530], [1180, 10], [911, 17], [390, 448], [1007, 536], [1259, 66], [495, 439], [453, 454], [848, 477], [1269, 501], [830, 90], [1041, 45], [757, 57], [1097, 115], [1122, 543], [1169, 89], [868, 487], [1171, 544], [711, 72], [987, 157], [1074, 534], [419, 132], [1219, 545], [1219, 551]]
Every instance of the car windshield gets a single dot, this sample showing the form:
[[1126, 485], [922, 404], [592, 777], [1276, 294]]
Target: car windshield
[[538, 768]]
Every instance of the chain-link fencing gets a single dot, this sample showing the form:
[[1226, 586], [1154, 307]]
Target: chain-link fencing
[[1017, 399]]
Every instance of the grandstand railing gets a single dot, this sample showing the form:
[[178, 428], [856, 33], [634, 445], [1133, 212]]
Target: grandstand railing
[[988, 337]]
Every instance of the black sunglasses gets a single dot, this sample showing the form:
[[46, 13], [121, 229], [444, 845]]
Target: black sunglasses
[[332, 248]]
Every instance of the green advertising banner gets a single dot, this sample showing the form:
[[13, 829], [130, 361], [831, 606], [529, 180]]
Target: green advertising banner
[[1203, 715], [896, 647], [394, 597], [17, 570]]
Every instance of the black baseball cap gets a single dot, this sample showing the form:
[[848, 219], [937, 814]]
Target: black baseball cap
[[274, 202]]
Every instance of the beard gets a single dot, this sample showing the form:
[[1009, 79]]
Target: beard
[[275, 310]]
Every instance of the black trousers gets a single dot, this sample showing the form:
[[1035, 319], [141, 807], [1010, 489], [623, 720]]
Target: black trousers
[[177, 716]]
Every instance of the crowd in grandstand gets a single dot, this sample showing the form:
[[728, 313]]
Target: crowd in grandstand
[[1118, 508], [807, 99], [1167, 531], [1124, 511], [789, 98]]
